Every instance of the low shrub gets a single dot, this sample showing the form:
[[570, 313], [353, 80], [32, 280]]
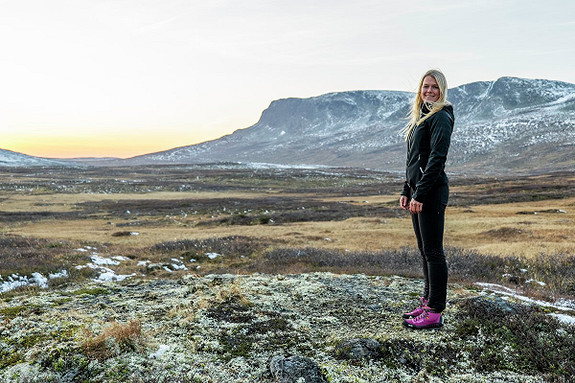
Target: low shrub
[[114, 340], [232, 246], [533, 340], [556, 271]]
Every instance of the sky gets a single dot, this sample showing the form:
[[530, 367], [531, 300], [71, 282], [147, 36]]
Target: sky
[[100, 78]]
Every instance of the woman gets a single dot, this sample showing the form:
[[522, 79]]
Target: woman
[[426, 192]]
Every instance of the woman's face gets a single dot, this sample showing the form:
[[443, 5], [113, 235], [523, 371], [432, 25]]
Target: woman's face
[[430, 89]]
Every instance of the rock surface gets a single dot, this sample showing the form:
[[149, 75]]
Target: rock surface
[[296, 369], [316, 327]]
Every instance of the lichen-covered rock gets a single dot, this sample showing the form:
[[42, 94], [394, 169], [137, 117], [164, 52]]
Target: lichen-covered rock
[[489, 305], [358, 349], [296, 369], [227, 328]]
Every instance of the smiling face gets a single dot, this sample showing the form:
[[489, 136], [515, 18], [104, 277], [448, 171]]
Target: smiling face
[[429, 89]]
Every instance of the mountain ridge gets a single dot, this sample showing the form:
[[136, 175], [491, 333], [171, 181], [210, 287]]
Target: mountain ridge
[[9, 158], [508, 125]]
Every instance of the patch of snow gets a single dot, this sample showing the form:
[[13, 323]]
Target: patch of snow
[[179, 267], [103, 261], [161, 351], [213, 255], [143, 263], [40, 280], [110, 276], [534, 281], [563, 318], [15, 281], [61, 274], [561, 304], [566, 303]]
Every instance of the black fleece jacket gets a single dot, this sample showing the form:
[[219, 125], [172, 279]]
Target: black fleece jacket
[[427, 148]]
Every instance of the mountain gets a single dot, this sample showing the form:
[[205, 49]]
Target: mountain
[[9, 158], [507, 125], [340, 129], [511, 125]]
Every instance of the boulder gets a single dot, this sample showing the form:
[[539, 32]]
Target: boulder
[[296, 369]]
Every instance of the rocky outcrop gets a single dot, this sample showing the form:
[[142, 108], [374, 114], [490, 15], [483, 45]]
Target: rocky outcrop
[[296, 369], [304, 328]]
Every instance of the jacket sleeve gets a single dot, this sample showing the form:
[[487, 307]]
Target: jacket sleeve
[[406, 190], [441, 128]]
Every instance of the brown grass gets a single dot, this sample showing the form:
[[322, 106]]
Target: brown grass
[[501, 229], [341, 211], [115, 339]]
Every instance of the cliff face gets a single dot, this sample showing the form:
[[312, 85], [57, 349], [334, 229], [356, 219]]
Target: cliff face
[[270, 328]]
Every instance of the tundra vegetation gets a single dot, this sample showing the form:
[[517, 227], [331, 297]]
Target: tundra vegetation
[[215, 273]]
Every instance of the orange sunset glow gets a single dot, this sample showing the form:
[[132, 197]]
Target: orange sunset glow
[[120, 145]]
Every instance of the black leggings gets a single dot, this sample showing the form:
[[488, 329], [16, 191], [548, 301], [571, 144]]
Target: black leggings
[[428, 226]]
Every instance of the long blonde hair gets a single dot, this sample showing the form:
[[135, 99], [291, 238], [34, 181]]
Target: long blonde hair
[[415, 114]]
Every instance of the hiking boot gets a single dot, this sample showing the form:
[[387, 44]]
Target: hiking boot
[[427, 319], [418, 311]]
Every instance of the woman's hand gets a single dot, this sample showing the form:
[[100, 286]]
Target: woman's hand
[[404, 202], [415, 207]]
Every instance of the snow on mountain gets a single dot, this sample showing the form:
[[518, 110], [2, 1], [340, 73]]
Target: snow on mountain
[[9, 158], [325, 130], [510, 124]]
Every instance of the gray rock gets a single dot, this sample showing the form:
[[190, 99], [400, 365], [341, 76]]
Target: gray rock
[[492, 306], [295, 368], [357, 349]]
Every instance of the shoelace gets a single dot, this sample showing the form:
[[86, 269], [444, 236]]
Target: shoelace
[[421, 316]]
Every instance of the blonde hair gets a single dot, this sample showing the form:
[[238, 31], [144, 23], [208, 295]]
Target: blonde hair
[[415, 114]]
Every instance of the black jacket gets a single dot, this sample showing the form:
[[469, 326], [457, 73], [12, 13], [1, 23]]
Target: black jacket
[[427, 148]]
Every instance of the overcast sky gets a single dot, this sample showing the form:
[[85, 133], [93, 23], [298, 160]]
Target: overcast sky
[[127, 77]]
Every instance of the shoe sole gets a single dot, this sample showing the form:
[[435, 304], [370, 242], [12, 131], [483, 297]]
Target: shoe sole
[[428, 327]]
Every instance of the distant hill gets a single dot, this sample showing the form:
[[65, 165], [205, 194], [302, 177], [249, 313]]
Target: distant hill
[[9, 158], [507, 125]]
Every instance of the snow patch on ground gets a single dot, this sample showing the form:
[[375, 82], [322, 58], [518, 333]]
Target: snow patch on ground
[[562, 304], [15, 281]]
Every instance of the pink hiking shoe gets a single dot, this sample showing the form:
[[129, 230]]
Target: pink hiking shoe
[[427, 319], [420, 309]]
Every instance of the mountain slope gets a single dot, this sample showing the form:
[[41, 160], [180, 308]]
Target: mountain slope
[[9, 158], [511, 124]]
